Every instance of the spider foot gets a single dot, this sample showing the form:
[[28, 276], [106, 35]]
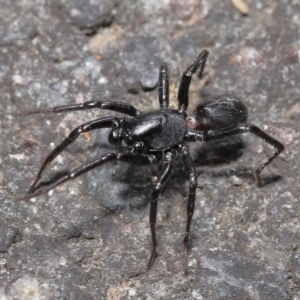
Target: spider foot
[[185, 244], [151, 259]]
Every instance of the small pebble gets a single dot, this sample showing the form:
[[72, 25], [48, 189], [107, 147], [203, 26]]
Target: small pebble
[[241, 6], [236, 180]]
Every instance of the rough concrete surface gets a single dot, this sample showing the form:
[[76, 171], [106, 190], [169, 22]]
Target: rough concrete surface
[[90, 238]]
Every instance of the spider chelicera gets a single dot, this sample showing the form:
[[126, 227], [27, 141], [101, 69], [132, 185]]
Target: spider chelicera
[[149, 137]]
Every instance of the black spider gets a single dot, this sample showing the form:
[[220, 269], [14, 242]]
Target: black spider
[[148, 137]]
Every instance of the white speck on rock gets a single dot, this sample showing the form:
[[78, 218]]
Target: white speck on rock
[[131, 292], [196, 295]]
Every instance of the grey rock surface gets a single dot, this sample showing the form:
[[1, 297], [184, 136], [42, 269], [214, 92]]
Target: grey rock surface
[[90, 238]]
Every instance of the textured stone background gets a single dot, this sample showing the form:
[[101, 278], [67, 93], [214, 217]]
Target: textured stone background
[[90, 238]]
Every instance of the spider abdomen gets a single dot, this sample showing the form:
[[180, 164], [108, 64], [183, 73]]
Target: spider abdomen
[[158, 130], [217, 113]]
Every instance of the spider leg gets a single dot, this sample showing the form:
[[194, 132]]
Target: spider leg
[[163, 178], [219, 134], [163, 86], [189, 164], [138, 159], [95, 124], [183, 91], [120, 107]]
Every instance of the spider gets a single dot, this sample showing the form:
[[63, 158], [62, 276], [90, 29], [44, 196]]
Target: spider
[[149, 137]]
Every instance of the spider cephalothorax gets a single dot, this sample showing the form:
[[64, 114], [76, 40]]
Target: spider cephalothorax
[[148, 137]]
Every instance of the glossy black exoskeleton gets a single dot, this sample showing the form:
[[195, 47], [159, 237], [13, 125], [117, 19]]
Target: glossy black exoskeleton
[[149, 137], [217, 113], [159, 130]]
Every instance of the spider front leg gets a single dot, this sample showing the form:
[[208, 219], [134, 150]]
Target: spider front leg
[[183, 91], [108, 122], [120, 107], [137, 159], [163, 178], [215, 135]]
